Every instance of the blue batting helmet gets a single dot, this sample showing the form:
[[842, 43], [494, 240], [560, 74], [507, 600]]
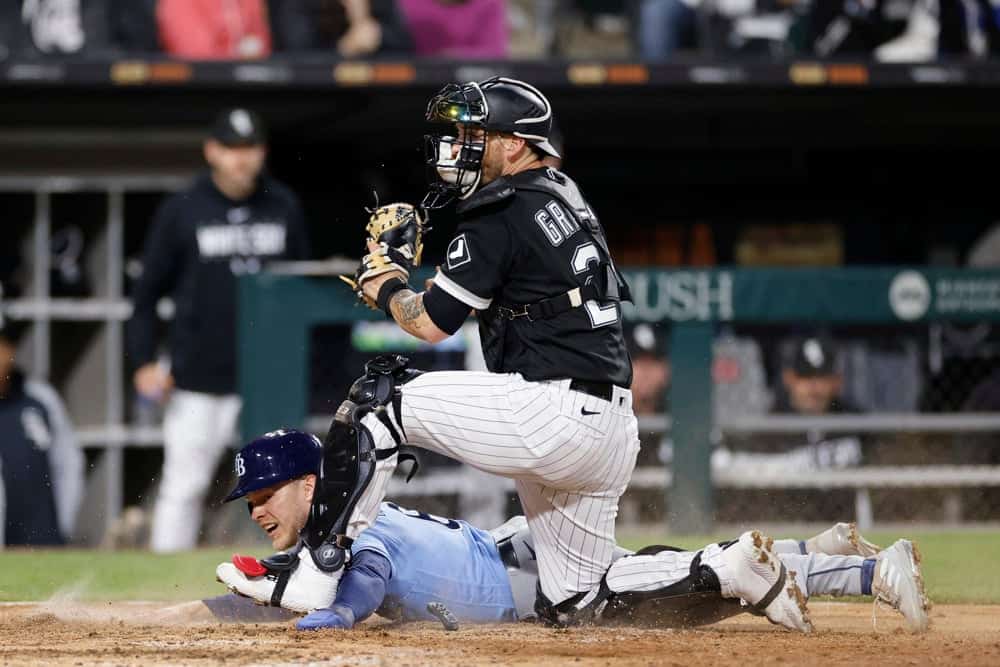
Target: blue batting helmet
[[275, 457]]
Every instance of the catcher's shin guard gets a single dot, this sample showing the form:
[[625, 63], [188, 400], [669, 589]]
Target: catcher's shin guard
[[351, 457], [692, 601]]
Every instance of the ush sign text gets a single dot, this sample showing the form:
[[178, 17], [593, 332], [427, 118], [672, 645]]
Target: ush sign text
[[679, 296]]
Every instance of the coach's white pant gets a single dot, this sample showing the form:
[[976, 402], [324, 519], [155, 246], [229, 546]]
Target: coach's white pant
[[570, 453], [197, 428]]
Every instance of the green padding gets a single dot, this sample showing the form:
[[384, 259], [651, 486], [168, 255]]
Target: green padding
[[865, 295]]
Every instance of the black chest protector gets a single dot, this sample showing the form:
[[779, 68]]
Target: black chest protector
[[604, 283]]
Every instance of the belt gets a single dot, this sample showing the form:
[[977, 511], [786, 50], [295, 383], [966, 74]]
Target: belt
[[507, 554], [603, 390]]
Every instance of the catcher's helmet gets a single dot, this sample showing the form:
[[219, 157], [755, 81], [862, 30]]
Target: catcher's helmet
[[498, 105], [275, 457]]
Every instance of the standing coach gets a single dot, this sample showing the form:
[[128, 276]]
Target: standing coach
[[229, 222]]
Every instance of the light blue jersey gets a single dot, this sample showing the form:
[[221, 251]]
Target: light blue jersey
[[434, 559]]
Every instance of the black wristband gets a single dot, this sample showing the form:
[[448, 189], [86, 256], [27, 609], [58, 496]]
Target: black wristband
[[385, 292]]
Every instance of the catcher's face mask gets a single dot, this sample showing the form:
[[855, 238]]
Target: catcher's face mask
[[454, 165]]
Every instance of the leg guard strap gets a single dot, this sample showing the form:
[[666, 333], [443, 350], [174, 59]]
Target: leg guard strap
[[774, 591]]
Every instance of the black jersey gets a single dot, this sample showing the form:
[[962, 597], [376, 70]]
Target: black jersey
[[199, 243], [516, 245]]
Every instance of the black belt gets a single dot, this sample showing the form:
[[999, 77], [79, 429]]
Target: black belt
[[507, 554], [603, 390]]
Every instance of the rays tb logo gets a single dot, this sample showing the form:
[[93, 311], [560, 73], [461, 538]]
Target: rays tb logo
[[241, 468]]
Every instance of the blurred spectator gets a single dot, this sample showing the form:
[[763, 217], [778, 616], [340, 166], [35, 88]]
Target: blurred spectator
[[41, 464], [647, 346], [230, 221], [812, 381], [934, 28], [48, 27], [590, 29], [42, 28], [458, 28], [214, 29], [650, 370], [663, 27], [738, 376], [919, 41], [969, 28], [353, 28], [854, 27]]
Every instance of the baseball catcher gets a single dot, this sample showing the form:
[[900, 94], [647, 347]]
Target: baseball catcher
[[412, 565]]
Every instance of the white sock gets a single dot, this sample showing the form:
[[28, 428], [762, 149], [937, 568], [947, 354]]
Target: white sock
[[819, 574], [788, 547]]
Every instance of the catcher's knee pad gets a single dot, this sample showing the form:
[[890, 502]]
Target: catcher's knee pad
[[350, 455], [692, 601]]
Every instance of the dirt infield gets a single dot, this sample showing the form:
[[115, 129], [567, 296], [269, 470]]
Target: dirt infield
[[74, 634]]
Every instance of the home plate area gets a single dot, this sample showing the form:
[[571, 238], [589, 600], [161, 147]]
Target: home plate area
[[130, 634]]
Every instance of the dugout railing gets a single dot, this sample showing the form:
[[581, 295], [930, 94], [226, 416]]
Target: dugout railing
[[277, 312]]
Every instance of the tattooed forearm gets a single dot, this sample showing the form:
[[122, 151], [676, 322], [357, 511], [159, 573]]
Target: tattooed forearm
[[407, 307], [408, 310]]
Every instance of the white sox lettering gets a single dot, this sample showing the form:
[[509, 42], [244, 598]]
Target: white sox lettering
[[258, 239]]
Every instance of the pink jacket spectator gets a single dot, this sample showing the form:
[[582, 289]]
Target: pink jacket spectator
[[458, 28], [214, 29]]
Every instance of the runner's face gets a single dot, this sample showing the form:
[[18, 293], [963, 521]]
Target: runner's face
[[281, 510]]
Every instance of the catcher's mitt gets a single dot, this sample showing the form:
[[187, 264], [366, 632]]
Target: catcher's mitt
[[399, 230]]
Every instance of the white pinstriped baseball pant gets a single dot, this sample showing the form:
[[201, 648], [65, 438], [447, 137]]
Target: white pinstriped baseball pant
[[570, 453]]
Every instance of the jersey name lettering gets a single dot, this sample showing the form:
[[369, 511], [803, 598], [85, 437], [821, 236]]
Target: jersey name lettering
[[557, 225]]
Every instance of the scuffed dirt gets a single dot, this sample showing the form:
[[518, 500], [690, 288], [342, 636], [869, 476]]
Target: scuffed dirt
[[125, 634]]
